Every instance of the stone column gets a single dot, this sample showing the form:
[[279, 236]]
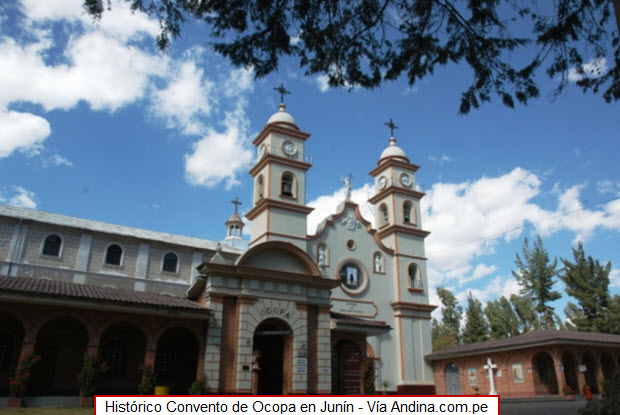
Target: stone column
[[245, 337], [28, 346], [213, 344], [559, 374], [299, 372], [324, 354]]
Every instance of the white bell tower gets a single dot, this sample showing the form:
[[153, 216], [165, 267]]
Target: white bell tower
[[279, 209]]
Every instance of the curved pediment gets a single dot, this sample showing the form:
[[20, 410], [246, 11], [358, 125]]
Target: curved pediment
[[281, 256]]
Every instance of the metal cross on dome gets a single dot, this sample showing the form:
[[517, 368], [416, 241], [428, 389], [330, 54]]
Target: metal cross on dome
[[391, 126], [282, 91], [236, 202]]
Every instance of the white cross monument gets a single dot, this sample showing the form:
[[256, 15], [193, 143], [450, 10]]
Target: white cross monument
[[489, 368]]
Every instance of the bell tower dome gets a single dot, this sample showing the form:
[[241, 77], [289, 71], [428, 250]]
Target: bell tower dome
[[279, 208]]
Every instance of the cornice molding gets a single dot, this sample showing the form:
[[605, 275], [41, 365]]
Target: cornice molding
[[393, 161], [266, 203], [282, 128], [268, 157]]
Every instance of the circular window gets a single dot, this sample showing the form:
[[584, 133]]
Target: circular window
[[351, 244], [352, 276]]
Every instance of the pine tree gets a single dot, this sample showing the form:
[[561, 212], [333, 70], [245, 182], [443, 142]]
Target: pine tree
[[536, 278], [503, 321], [525, 313], [476, 327], [587, 281], [447, 333]]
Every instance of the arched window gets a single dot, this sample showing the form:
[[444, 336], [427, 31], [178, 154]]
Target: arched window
[[260, 188], [52, 245], [113, 255], [288, 184], [408, 213], [415, 277], [114, 354], [383, 215], [171, 262]]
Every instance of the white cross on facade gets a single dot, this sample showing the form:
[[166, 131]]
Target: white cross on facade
[[489, 368]]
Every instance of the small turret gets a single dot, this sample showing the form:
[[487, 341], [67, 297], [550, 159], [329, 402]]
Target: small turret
[[234, 229]]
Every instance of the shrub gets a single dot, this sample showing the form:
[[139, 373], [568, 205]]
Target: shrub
[[368, 376], [147, 385], [197, 388], [91, 368], [23, 373]]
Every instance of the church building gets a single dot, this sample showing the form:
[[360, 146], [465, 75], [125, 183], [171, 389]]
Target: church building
[[285, 313]]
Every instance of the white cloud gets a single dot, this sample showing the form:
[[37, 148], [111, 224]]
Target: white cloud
[[119, 21], [328, 205], [608, 187], [220, 156], [21, 131], [322, 82], [20, 197], [184, 99], [483, 270], [593, 69], [58, 160], [241, 81], [441, 159], [467, 219]]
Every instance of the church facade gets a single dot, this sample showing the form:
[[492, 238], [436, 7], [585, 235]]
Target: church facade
[[285, 313]]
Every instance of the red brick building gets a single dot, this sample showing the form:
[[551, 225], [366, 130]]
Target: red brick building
[[62, 321], [532, 364]]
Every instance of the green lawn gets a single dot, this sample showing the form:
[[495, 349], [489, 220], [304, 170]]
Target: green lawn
[[47, 411]]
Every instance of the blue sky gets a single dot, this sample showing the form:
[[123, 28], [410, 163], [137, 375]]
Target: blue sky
[[96, 123]]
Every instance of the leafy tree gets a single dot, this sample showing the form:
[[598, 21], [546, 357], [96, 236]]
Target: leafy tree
[[476, 327], [614, 315], [524, 308], [447, 333], [536, 278], [368, 42], [503, 321], [587, 281]]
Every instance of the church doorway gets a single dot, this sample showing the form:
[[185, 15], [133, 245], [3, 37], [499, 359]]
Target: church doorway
[[346, 368], [272, 358]]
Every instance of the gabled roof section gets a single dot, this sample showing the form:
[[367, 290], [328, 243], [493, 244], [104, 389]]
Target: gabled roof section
[[336, 218], [95, 226], [531, 339], [286, 252], [34, 287]]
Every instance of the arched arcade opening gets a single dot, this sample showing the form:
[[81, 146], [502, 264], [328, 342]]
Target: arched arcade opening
[[176, 360], [11, 335], [122, 349], [61, 343], [545, 380]]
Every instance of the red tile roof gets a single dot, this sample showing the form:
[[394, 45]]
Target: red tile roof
[[531, 339], [69, 290]]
